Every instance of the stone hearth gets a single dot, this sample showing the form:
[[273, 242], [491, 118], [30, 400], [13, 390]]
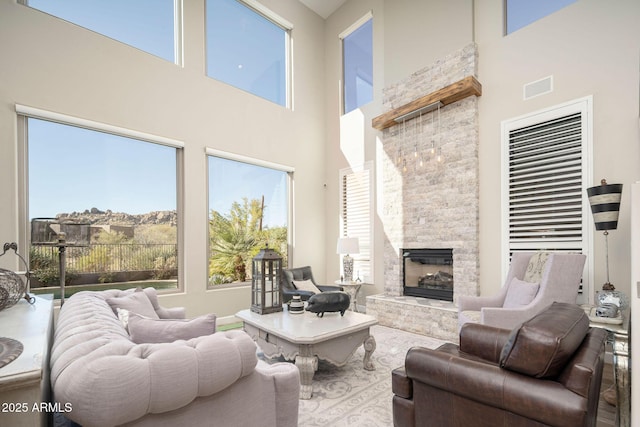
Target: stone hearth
[[433, 205]]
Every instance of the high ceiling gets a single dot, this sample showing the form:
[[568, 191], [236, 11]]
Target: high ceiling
[[323, 8]]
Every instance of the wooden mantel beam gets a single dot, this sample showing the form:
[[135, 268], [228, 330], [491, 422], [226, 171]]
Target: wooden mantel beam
[[447, 95]]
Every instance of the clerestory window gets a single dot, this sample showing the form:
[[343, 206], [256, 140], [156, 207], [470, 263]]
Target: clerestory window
[[520, 13], [248, 48], [357, 64], [149, 25]]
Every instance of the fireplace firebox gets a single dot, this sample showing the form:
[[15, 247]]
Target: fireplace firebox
[[428, 273]]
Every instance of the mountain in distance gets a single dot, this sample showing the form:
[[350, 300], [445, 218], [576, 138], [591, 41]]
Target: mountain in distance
[[95, 216]]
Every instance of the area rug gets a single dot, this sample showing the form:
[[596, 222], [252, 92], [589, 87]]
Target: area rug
[[352, 396]]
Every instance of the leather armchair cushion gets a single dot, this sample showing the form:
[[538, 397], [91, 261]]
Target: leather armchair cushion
[[543, 345]]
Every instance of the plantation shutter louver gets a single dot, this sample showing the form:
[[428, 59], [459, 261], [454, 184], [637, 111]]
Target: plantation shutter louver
[[545, 186], [356, 216]]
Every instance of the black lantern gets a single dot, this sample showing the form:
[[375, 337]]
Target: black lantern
[[266, 292]]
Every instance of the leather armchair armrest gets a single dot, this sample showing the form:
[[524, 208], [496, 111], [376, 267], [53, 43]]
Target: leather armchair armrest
[[401, 385], [483, 341], [329, 288]]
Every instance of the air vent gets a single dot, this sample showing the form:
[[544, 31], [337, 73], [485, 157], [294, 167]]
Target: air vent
[[537, 88]]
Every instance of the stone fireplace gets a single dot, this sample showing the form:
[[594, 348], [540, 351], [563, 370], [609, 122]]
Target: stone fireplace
[[428, 273], [430, 197]]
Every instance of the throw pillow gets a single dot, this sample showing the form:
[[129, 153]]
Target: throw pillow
[[535, 268], [520, 293], [306, 285], [543, 345], [123, 316], [137, 302], [145, 330]]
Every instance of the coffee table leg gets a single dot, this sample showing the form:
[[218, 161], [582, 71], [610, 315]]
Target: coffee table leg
[[369, 347], [307, 365]]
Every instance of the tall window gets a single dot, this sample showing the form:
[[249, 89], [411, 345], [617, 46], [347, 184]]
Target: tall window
[[356, 209], [520, 13], [248, 209], [357, 63], [248, 47], [149, 25], [546, 174], [120, 189]]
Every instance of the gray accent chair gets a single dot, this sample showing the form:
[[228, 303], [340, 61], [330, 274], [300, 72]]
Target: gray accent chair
[[301, 273], [559, 282]]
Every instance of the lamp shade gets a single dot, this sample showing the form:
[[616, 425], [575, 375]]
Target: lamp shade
[[605, 204], [348, 245]]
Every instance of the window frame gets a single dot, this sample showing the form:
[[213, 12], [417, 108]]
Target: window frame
[[367, 258], [584, 107], [24, 112], [341, 37]]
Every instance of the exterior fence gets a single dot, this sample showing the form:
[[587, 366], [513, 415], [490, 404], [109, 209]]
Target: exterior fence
[[111, 258]]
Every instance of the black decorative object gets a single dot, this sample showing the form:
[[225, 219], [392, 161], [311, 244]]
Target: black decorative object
[[12, 287], [328, 302]]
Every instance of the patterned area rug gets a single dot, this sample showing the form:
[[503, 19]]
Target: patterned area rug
[[351, 396]]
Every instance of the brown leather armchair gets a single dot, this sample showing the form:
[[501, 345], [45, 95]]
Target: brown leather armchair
[[546, 372]]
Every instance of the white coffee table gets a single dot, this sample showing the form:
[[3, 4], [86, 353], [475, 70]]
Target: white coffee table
[[306, 338]]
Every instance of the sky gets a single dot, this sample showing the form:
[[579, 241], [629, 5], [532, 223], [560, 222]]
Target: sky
[[73, 169], [65, 163]]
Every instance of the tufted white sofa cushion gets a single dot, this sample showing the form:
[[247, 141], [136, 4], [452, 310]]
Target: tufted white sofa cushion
[[109, 380]]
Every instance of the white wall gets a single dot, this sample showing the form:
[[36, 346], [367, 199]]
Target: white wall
[[53, 65], [589, 47]]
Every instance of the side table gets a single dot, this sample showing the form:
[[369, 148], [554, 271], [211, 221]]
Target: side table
[[352, 289], [618, 337], [24, 382]]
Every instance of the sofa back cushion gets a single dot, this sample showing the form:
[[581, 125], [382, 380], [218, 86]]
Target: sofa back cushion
[[543, 345]]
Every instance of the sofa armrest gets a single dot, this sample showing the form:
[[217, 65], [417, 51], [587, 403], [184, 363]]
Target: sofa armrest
[[466, 302], [401, 385], [486, 383], [286, 381], [483, 341], [510, 318], [157, 377]]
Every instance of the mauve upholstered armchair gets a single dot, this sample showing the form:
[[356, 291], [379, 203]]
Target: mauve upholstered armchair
[[534, 281], [547, 372]]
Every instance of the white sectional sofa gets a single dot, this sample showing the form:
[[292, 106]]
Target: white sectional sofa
[[212, 380]]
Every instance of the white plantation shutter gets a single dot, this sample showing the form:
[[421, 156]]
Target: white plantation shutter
[[546, 185], [545, 181], [356, 215]]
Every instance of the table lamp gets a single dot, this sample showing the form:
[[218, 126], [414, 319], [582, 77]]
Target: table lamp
[[605, 207], [346, 246]]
